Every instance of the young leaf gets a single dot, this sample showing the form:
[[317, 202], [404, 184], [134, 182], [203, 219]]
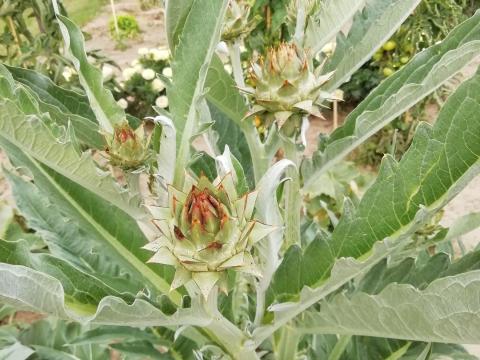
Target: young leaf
[[106, 110], [193, 54]]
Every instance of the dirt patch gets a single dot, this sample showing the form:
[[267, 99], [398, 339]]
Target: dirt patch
[[151, 24]]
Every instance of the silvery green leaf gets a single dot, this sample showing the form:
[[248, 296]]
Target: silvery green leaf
[[107, 111], [196, 46], [31, 290], [440, 162], [422, 75], [333, 16], [447, 311], [16, 351], [370, 29]]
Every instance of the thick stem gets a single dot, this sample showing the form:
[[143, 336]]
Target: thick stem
[[340, 347], [287, 344], [229, 337], [293, 201]]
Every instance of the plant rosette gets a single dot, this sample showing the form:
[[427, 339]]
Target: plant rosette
[[207, 229], [285, 88]]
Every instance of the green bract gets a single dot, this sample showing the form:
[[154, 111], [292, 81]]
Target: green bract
[[128, 148], [237, 24], [285, 88], [206, 229]]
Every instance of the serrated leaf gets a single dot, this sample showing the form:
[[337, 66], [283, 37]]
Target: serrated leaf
[[28, 132], [440, 162], [193, 54], [422, 75], [446, 311], [107, 112], [370, 29], [31, 290], [64, 107], [109, 226]]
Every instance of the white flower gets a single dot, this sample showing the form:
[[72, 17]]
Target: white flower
[[138, 68], [143, 51], [160, 54], [67, 73], [122, 103], [162, 102], [128, 73], [135, 62], [228, 68], [167, 72], [158, 85], [148, 74], [107, 72], [222, 48], [91, 59]]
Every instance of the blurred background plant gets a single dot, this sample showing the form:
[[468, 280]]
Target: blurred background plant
[[128, 27], [144, 82], [150, 4]]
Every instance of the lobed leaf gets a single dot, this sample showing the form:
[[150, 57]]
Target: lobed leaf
[[421, 76], [437, 166], [447, 311]]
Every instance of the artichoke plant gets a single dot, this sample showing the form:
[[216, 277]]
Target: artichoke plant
[[206, 229], [285, 88]]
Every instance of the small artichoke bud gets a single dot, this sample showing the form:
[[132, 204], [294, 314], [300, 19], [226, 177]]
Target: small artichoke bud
[[206, 229], [285, 88], [128, 148], [237, 25]]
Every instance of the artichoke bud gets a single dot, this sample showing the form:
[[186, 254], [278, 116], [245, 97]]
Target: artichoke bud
[[128, 148], [206, 229], [237, 22], [285, 88]]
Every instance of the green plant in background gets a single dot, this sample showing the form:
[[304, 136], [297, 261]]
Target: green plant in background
[[431, 21], [144, 83], [128, 27], [30, 38], [126, 213]]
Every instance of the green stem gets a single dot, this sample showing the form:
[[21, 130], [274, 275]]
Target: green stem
[[293, 201], [340, 347], [287, 344], [260, 160]]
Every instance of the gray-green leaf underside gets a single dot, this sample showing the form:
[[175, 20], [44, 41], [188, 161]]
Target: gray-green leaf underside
[[448, 311]]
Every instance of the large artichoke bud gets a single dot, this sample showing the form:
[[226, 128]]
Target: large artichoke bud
[[206, 229], [237, 24], [128, 148], [285, 88]]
